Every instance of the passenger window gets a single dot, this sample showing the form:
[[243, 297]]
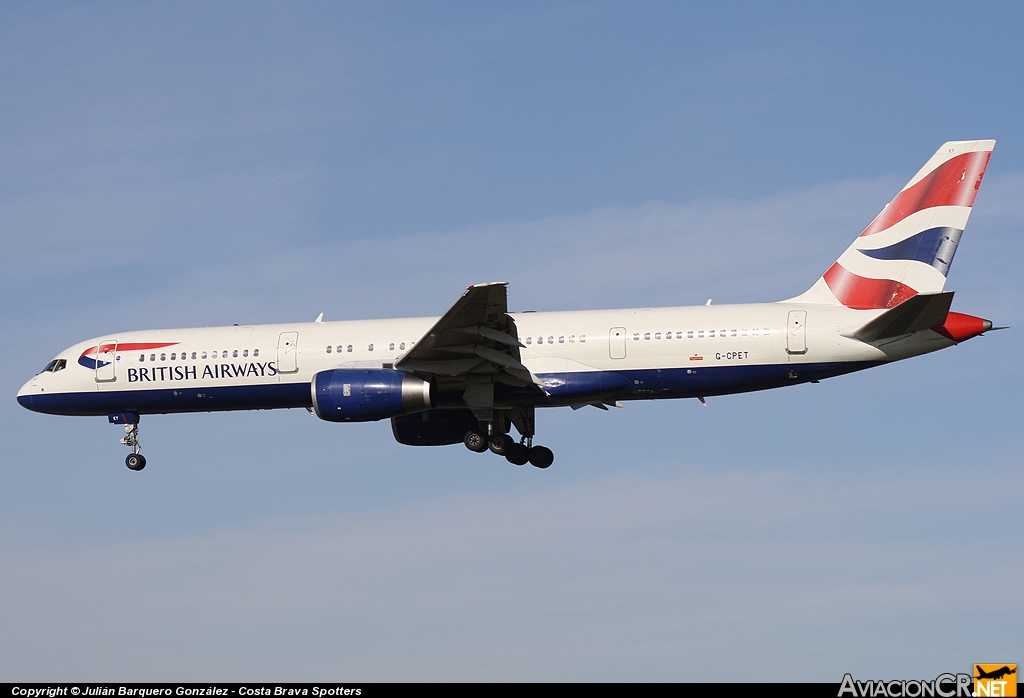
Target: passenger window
[[572, 338], [349, 348], [700, 334], [338, 349], [163, 357], [583, 337], [391, 347], [401, 347], [722, 333], [636, 336], [647, 335], [172, 356], [256, 352], [328, 350], [743, 333], [711, 333], [689, 334], [657, 335], [193, 356], [551, 340], [245, 352], [234, 354], [203, 355], [370, 347], [529, 340], [142, 357], [561, 340]]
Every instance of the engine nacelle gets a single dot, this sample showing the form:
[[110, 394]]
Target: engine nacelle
[[366, 395]]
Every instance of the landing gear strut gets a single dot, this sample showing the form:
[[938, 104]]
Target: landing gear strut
[[494, 436], [135, 460]]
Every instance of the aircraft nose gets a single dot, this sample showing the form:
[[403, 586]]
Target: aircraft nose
[[25, 394]]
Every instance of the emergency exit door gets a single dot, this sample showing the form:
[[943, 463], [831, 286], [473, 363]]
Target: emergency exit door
[[617, 342]]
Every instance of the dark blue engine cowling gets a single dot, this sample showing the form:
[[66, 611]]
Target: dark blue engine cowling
[[366, 395]]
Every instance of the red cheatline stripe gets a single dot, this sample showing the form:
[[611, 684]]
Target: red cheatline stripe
[[862, 293], [953, 183]]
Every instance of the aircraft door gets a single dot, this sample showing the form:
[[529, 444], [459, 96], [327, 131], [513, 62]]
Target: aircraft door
[[287, 352], [796, 332], [106, 358], [617, 342]]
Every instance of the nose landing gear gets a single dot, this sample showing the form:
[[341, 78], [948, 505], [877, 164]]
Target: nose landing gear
[[135, 460]]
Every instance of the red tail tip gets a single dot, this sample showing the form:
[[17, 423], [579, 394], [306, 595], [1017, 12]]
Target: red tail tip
[[959, 327]]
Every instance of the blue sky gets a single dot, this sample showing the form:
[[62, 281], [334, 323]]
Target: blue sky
[[169, 165]]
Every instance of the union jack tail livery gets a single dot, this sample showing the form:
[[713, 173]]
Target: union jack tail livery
[[909, 246]]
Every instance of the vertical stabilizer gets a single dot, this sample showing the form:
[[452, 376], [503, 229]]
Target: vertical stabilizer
[[909, 246]]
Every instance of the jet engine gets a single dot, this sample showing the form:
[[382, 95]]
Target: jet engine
[[366, 395]]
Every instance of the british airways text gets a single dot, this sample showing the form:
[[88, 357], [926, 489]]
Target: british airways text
[[215, 371]]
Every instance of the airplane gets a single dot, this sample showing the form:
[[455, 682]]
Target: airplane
[[995, 674], [472, 374]]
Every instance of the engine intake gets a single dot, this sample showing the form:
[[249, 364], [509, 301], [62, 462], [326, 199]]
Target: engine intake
[[366, 395]]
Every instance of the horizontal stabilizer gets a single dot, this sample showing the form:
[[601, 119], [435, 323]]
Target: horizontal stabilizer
[[921, 312]]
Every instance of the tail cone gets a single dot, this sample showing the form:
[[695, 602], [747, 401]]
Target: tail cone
[[959, 327]]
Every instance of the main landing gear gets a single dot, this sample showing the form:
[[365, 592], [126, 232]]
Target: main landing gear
[[135, 460], [516, 453]]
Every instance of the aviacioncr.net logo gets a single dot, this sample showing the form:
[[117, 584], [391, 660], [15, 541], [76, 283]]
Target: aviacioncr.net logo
[[942, 686]]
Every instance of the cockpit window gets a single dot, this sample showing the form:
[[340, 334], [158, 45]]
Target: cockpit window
[[55, 365]]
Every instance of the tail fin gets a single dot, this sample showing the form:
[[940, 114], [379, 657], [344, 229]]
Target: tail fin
[[909, 246]]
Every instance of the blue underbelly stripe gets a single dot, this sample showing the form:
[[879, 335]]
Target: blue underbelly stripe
[[164, 401]]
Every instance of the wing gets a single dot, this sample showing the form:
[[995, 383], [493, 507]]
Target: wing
[[474, 344]]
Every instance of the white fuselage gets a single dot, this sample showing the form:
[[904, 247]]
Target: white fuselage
[[685, 351]]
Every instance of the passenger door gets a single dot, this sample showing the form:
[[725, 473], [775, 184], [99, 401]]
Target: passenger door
[[796, 332], [288, 352], [106, 361]]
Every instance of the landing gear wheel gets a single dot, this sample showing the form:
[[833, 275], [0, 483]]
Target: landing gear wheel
[[475, 442], [517, 454], [500, 443], [541, 457], [135, 461]]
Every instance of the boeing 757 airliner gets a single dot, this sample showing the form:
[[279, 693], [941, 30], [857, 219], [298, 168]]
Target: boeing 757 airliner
[[479, 370]]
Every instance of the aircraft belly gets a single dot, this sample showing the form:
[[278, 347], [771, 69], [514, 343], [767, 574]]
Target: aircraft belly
[[168, 400]]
